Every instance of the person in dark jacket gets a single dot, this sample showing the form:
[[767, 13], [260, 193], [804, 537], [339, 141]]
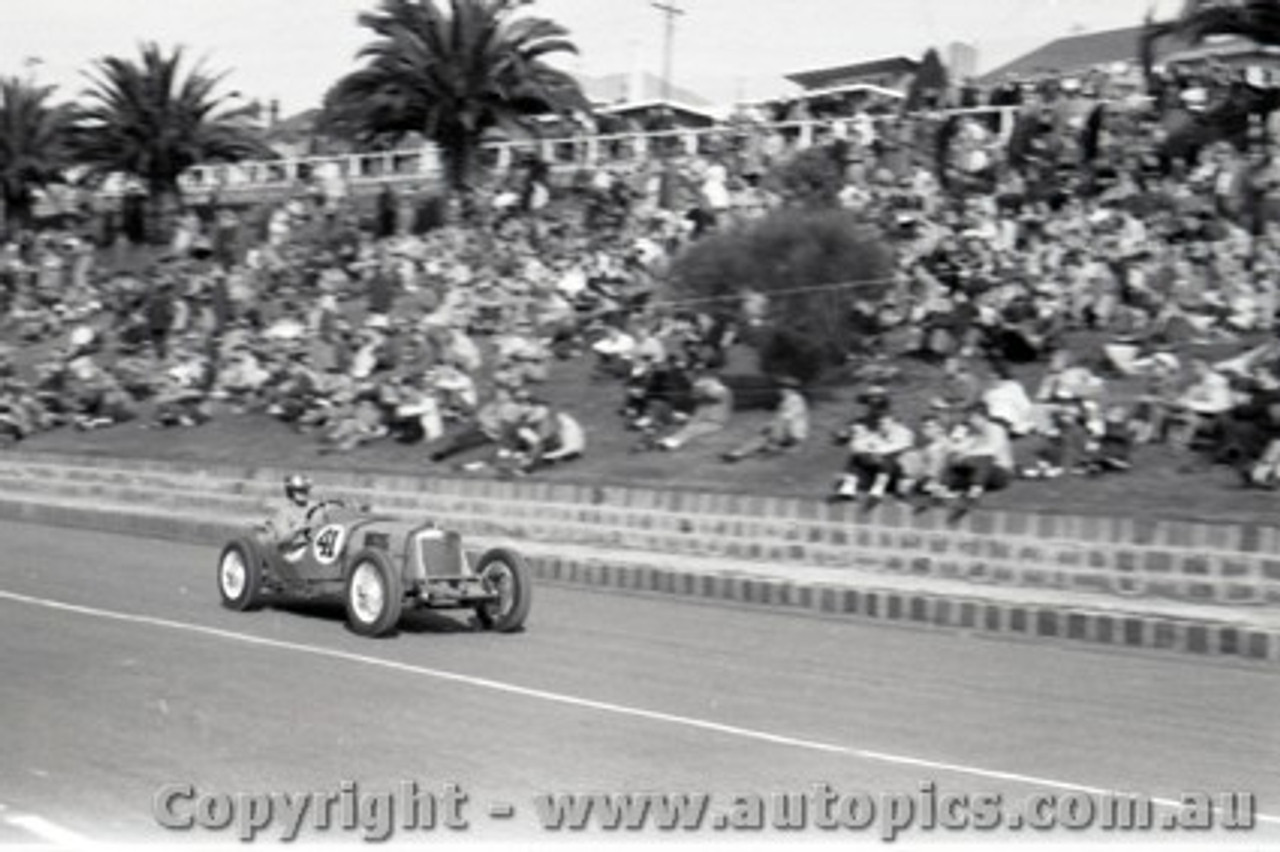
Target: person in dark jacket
[[160, 316]]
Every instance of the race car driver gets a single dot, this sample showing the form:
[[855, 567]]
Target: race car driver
[[290, 525]]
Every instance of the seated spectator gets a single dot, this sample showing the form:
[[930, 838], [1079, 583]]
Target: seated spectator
[[355, 424], [490, 427], [1069, 410], [102, 401], [788, 429], [1150, 415], [1253, 424], [547, 437], [876, 447], [457, 391], [924, 467], [19, 410], [1264, 472], [415, 415], [714, 408], [981, 460], [242, 379], [614, 352], [293, 390], [1199, 410], [1130, 358], [962, 387], [1008, 403], [1111, 450], [181, 399]]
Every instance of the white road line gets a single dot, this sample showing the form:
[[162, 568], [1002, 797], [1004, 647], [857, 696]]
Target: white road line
[[590, 703], [47, 831]]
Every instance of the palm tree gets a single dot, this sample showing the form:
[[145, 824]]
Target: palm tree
[[1258, 20], [34, 146], [452, 73], [146, 119]]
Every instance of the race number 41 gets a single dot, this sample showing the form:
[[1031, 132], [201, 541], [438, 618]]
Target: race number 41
[[328, 544]]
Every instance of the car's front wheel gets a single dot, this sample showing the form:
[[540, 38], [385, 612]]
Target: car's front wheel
[[375, 594], [240, 576], [507, 577]]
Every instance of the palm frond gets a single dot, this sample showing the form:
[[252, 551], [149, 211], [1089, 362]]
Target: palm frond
[[1258, 20], [153, 119], [35, 140], [451, 70]]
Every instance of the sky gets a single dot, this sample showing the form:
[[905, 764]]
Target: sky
[[726, 50]]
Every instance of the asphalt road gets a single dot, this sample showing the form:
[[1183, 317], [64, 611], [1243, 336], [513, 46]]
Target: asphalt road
[[120, 674]]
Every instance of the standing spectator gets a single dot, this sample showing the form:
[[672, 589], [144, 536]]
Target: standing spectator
[[388, 212], [161, 314]]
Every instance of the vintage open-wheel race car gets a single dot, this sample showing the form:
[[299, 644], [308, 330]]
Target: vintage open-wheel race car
[[379, 566]]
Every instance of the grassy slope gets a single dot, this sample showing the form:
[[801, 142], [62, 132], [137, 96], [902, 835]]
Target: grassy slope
[[1155, 489]]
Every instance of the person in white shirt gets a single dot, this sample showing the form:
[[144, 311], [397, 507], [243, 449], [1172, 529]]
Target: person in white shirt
[[982, 457], [924, 467], [1198, 409], [545, 437], [875, 451], [1008, 403]]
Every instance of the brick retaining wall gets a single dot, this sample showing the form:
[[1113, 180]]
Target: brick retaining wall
[[1221, 563]]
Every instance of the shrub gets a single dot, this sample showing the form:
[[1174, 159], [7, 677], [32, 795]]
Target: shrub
[[812, 266], [813, 177]]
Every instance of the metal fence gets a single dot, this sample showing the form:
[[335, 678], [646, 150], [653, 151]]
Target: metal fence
[[355, 172]]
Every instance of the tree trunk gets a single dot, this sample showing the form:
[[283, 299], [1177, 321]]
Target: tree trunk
[[163, 204], [459, 152], [15, 215]]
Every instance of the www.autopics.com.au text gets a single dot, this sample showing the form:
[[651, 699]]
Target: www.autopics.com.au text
[[415, 807]]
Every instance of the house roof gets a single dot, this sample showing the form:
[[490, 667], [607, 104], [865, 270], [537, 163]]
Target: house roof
[[294, 129], [644, 106], [826, 78], [1079, 53], [642, 87], [849, 89]]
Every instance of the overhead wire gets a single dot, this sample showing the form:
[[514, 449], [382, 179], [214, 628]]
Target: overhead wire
[[862, 284]]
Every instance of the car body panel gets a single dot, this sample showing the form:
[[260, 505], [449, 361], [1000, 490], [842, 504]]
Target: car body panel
[[432, 563]]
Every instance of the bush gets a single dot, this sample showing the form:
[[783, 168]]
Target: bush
[[813, 177], [812, 266]]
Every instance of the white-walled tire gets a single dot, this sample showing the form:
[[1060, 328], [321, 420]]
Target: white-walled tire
[[240, 576], [507, 574], [374, 594]]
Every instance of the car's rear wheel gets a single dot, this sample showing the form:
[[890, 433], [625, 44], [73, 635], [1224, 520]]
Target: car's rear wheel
[[506, 575], [375, 594], [240, 576]]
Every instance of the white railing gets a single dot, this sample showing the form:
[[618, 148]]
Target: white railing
[[423, 165]]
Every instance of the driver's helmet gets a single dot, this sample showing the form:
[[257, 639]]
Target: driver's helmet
[[297, 487]]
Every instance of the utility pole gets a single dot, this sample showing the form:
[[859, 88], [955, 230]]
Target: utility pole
[[32, 63], [670, 11]]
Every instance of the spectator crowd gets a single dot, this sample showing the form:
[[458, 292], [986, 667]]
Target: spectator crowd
[[1074, 246]]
